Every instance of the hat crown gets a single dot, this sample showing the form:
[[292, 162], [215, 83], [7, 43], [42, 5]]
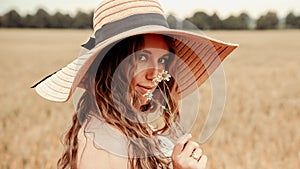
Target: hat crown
[[113, 10]]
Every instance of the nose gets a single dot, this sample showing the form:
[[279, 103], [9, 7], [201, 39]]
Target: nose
[[152, 68], [151, 73]]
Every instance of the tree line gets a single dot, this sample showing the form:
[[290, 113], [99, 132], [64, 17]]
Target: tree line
[[199, 20]]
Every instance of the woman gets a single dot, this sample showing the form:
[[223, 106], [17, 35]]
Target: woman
[[134, 67], [151, 54]]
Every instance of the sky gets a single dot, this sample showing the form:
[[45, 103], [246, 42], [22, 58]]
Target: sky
[[180, 8]]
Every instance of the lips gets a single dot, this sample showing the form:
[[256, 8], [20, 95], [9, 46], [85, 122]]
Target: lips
[[144, 89]]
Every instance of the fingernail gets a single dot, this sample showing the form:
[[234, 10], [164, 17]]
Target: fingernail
[[185, 136], [188, 135]]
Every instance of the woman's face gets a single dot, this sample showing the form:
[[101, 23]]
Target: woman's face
[[151, 59]]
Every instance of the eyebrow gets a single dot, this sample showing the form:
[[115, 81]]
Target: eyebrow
[[149, 52]]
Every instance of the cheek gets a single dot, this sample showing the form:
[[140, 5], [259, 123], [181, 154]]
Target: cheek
[[143, 69], [137, 78], [140, 67], [162, 67]]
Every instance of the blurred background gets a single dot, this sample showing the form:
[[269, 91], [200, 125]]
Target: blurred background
[[212, 15], [260, 124]]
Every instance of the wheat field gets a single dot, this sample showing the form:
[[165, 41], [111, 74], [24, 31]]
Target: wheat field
[[260, 127]]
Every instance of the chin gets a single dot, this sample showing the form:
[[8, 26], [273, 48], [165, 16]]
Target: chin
[[143, 100]]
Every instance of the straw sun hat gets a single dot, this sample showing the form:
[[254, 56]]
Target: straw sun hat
[[115, 20]]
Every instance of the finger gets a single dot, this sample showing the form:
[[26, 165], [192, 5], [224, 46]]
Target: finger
[[189, 149], [185, 138], [181, 143], [197, 154], [202, 162]]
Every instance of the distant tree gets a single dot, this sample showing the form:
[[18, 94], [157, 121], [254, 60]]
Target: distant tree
[[172, 21], [12, 19], [215, 22], [188, 25], [237, 23], [291, 20], [204, 21], [230, 22], [82, 20], [298, 22], [1, 25], [91, 15], [29, 21], [244, 20], [59, 20], [201, 20], [268, 21], [40, 20]]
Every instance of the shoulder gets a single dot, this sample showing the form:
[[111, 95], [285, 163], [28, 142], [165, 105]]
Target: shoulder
[[91, 156]]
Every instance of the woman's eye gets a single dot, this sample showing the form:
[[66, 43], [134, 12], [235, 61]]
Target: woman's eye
[[142, 57], [163, 60]]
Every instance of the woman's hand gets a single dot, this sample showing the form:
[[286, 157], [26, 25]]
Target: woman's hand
[[188, 155]]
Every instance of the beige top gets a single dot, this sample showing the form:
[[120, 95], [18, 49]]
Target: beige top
[[102, 146], [91, 156]]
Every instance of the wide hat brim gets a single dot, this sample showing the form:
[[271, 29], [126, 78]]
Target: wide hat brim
[[201, 54]]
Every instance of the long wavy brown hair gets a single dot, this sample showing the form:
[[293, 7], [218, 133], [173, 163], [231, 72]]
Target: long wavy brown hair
[[116, 106]]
